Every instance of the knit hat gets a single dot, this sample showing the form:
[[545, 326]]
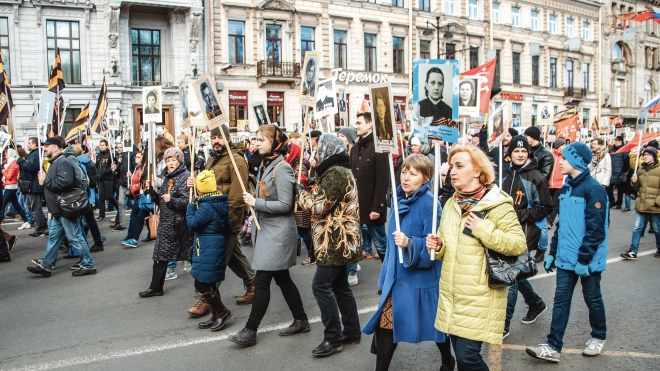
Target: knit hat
[[415, 141], [513, 132], [349, 133], [205, 182], [559, 142], [315, 134], [519, 141], [653, 143], [174, 152], [619, 137], [578, 155], [215, 132], [183, 137], [651, 151], [534, 133]]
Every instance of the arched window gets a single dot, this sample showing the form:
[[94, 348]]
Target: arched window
[[617, 53], [649, 91]]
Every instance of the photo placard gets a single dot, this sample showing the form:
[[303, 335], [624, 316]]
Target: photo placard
[[152, 104], [209, 102]]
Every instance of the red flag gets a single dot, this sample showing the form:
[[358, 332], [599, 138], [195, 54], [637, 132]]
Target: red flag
[[634, 142], [487, 73], [568, 128]]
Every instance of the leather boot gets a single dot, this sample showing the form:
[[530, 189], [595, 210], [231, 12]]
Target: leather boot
[[200, 309], [248, 297], [220, 312], [245, 337], [298, 326]]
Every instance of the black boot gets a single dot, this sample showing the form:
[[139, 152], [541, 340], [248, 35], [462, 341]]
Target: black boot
[[298, 326], [220, 313], [245, 337]]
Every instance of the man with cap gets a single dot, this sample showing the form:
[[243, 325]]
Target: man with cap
[[619, 168], [229, 184], [182, 143], [532, 203], [61, 178], [645, 182], [542, 155], [581, 255]]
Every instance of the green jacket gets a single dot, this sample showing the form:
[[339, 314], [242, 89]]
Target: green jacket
[[228, 183], [648, 188]]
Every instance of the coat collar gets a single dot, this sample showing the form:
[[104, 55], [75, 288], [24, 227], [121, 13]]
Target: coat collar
[[406, 203], [271, 166]]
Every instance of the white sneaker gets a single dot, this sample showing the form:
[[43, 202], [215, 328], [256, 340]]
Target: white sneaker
[[25, 225], [187, 266], [594, 347], [544, 352], [352, 279], [359, 268], [171, 276]]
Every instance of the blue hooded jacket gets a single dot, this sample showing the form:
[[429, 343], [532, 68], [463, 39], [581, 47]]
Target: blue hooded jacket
[[211, 224], [581, 234]]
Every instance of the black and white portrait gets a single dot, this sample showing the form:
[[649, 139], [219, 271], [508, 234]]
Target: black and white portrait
[[326, 98], [545, 112], [209, 103], [310, 76], [435, 92], [466, 93], [183, 94], [260, 113], [382, 113], [127, 137], [152, 104], [113, 120]]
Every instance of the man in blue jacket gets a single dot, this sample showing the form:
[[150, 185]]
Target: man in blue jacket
[[29, 172], [578, 251]]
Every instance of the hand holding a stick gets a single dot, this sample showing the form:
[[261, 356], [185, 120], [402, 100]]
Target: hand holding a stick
[[249, 199], [401, 240], [433, 242]]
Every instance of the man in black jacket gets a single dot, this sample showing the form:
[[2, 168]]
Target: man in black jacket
[[544, 159], [122, 161], [620, 166], [106, 178], [61, 178], [30, 172], [182, 143]]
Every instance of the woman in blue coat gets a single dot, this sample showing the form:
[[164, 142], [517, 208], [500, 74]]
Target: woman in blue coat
[[210, 222], [408, 305]]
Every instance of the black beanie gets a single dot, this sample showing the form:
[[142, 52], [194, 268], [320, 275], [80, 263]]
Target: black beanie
[[653, 143], [513, 132], [519, 141], [534, 133]]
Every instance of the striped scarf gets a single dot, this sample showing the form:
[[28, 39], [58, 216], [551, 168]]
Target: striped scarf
[[468, 200]]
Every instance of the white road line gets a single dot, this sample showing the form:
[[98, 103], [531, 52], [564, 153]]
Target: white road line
[[69, 362]]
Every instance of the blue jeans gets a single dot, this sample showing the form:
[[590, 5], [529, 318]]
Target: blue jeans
[[527, 292], [136, 223], [374, 233], [9, 196], [72, 228], [468, 354], [23, 201], [543, 241], [566, 281], [640, 222], [306, 235], [627, 202], [171, 266]]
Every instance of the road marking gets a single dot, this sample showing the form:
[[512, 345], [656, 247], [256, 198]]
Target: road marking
[[494, 351]]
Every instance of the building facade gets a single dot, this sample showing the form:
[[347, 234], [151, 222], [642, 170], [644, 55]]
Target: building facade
[[130, 43]]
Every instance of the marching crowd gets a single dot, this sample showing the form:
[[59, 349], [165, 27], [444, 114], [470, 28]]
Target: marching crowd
[[329, 192]]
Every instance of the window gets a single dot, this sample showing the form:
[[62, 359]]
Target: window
[[497, 77], [515, 114], [66, 36], [585, 76], [370, 52], [535, 70], [236, 34], [340, 49], [273, 43], [398, 3], [535, 20], [569, 27], [569, 73], [585, 117], [306, 40], [473, 9], [495, 13], [425, 49], [515, 17], [238, 103], [617, 93], [450, 51], [146, 57], [70, 118], [648, 91], [450, 7], [275, 107], [424, 5], [585, 31], [552, 24], [553, 72], [515, 59], [4, 44], [474, 57], [397, 54], [534, 114]]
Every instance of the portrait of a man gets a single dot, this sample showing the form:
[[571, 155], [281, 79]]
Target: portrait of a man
[[260, 114], [466, 94], [211, 106], [383, 117], [309, 85], [113, 121], [545, 113], [342, 101], [325, 101], [433, 106], [128, 140], [183, 94], [152, 103]]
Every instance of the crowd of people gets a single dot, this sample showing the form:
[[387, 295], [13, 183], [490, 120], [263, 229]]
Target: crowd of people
[[327, 192]]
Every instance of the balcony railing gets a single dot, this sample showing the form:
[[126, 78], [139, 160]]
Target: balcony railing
[[572, 92], [278, 69]]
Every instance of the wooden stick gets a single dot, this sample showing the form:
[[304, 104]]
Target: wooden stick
[[192, 163], [302, 153]]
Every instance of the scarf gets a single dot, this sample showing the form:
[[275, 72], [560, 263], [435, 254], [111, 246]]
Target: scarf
[[338, 159], [598, 155], [330, 145], [280, 147], [294, 153], [468, 200]]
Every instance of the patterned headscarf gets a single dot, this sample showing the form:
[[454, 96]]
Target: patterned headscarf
[[280, 147], [330, 145]]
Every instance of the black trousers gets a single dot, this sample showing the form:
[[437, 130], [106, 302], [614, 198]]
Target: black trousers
[[93, 227], [4, 248], [619, 194], [554, 193], [158, 276], [334, 296], [208, 290], [105, 192], [386, 346], [261, 300]]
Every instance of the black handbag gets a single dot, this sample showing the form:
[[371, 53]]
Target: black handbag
[[25, 186], [74, 203]]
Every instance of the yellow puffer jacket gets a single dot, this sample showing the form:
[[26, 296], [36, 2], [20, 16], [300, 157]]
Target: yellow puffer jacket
[[648, 188], [467, 306]]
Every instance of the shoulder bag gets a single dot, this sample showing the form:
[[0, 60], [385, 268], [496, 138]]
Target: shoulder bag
[[74, 203]]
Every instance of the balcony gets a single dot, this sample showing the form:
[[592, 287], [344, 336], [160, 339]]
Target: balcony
[[278, 72], [574, 95]]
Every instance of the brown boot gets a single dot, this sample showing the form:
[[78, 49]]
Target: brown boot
[[220, 313], [248, 297], [200, 309]]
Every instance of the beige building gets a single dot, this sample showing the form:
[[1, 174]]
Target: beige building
[[549, 57]]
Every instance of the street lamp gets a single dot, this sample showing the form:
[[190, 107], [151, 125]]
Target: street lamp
[[428, 31]]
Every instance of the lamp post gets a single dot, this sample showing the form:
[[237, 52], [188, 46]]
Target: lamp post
[[447, 35]]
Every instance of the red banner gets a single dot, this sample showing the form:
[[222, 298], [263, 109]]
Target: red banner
[[239, 98], [275, 98], [568, 128], [487, 73]]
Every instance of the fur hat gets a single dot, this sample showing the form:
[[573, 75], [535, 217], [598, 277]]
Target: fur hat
[[205, 182]]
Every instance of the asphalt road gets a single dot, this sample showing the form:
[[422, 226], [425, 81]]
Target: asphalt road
[[99, 322]]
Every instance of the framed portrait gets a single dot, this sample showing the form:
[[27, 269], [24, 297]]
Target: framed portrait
[[127, 139], [185, 113], [469, 98], [152, 104], [343, 105], [310, 77], [435, 95], [326, 99], [546, 116], [209, 102], [497, 125], [382, 113], [260, 113], [112, 118]]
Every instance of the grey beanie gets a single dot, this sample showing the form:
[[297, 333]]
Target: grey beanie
[[349, 133]]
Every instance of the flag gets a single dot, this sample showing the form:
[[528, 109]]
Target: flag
[[653, 106], [366, 106], [568, 128], [487, 73], [56, 85], [634, 142], [566, 114], [6, 100], [99, 114], [79, 125]]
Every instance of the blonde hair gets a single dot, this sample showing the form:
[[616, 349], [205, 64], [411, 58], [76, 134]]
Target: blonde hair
[[267, 131], [420, 163], [480, 163]]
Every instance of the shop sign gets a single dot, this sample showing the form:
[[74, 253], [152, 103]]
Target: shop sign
[[540, 98], [512, 96], [348, 77], [275, 98], [239, 98]]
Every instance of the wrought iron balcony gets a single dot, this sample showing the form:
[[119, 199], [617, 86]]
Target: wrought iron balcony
[[269, 71], [572, 92]]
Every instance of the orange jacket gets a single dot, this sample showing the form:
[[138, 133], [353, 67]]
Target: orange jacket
[[557, 178]]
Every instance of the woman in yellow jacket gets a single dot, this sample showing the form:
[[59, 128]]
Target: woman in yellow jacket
[[469, 310]]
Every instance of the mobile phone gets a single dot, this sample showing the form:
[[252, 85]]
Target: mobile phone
[[478, 214]]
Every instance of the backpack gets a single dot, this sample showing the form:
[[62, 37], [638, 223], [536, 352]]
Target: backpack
[[81, 177], [92, 174]]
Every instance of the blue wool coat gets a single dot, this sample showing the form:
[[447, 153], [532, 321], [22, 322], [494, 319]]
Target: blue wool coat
[[413, 284], [210, 222]]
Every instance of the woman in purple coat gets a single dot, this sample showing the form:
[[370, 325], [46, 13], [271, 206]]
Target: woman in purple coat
[[408, 306]]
